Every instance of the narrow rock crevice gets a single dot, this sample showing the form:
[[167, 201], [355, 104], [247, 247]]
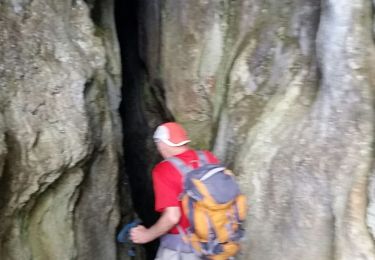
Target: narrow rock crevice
[[142, 108]]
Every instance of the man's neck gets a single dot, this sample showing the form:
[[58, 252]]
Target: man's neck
[[178, 150]]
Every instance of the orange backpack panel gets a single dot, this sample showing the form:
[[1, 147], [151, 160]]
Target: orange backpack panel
[[215, 208]]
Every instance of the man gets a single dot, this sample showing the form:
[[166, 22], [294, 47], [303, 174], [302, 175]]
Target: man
[[171, 141]]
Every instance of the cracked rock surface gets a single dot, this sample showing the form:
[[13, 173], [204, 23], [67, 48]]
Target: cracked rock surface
[[59, 130], [283, 91]]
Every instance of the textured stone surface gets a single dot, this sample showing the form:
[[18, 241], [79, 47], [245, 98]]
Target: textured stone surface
[[283, 91], [59, 130]]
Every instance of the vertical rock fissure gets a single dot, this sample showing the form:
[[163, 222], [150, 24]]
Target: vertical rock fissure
[[137, 95]]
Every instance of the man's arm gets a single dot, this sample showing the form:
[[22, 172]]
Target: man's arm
[[169, 218]]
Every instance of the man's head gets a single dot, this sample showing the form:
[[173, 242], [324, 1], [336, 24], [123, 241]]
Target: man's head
[[171, 139]]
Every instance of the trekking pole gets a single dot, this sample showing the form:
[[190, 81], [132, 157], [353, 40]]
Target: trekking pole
[[123, 236]]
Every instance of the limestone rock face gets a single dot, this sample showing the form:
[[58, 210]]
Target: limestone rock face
[[59, 130], [283, 91]]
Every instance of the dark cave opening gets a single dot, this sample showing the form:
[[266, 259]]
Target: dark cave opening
[[139, 153]]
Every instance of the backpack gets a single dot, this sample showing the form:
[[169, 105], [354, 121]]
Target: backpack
[[215, 207]]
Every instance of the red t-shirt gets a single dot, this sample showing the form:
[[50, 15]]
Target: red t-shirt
[[167, 181]]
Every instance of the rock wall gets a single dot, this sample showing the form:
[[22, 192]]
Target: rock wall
[[283, 92], [60, 132]]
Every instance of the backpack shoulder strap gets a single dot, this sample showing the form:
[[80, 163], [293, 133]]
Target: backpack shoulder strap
[[180, 165], [202, 157]]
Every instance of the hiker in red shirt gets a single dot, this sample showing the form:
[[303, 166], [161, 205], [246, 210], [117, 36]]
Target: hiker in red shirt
[[171, 141]]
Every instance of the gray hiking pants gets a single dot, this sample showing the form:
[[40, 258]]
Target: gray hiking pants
[[172, 247], [168, 254]]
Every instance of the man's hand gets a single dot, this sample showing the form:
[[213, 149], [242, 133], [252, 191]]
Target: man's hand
[[168, 219], [140, 235]]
